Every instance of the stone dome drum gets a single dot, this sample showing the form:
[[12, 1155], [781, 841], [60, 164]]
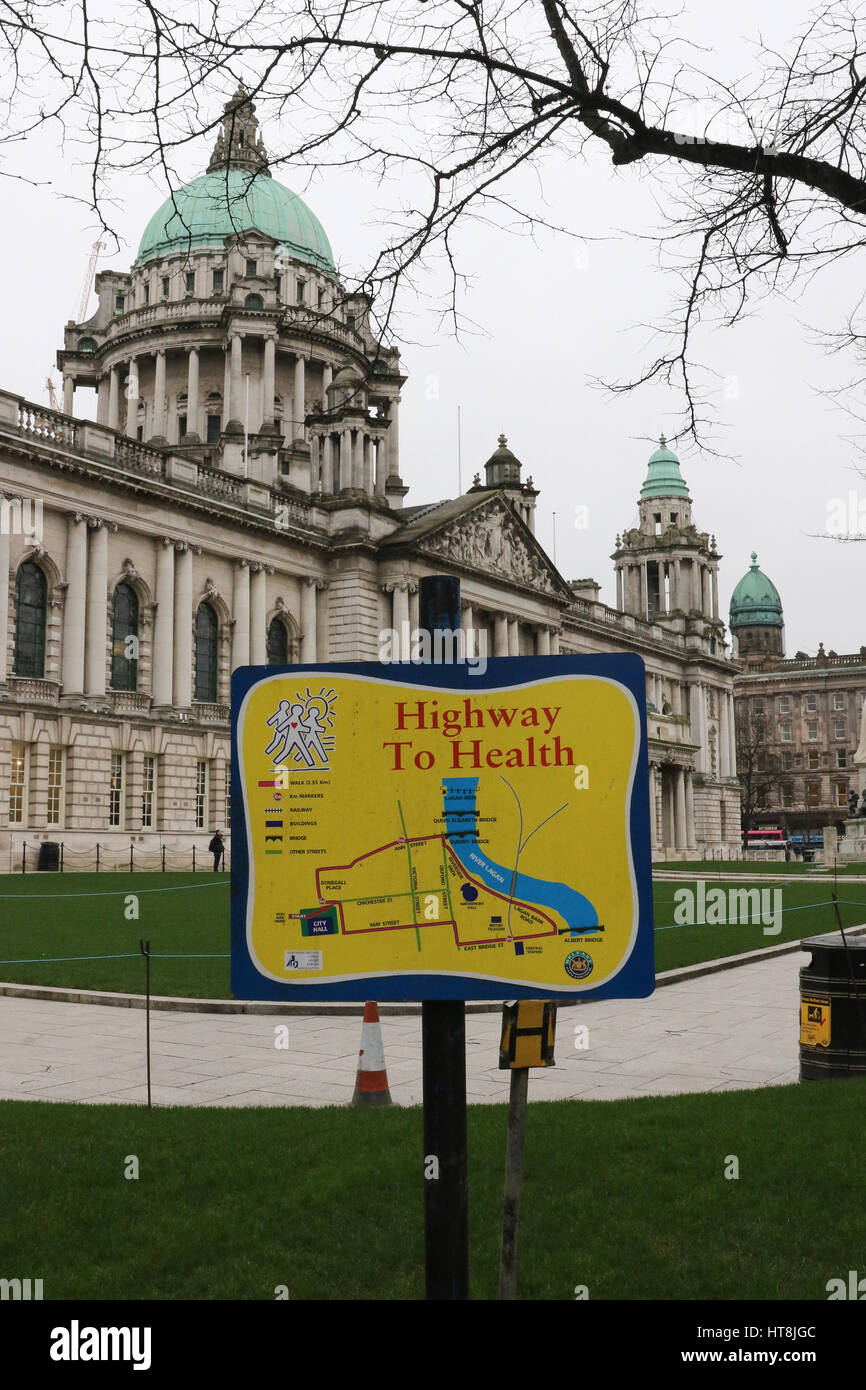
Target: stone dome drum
[[217, 205]]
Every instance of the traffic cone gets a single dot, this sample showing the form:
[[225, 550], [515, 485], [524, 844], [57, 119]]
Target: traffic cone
[[371, 1082]]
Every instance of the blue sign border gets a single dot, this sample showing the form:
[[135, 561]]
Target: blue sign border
[[636, 980]]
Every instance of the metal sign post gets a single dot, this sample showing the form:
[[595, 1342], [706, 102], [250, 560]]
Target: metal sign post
[[443, 1043], [446, 1210], [528, 1036]]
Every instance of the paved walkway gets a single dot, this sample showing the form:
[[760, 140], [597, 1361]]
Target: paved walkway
[[716, 1033]]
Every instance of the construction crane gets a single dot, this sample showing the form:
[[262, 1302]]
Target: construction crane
[[87, 287], [52, 394]]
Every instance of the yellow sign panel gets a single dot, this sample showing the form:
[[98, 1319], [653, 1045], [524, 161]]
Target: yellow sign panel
[[814, 1021], [397, 838], [528, 1035]]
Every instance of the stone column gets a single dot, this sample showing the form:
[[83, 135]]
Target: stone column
[[381, 465], [96, 609], [554, 641], [68, 393], [662, 605], [227, 389], [102, 388], [696, 584], [241, 615], [705, 592], [691, 840], [467, 619], [158, 436], [308, 619], [714, 579], [236, 407], [268, 380], [75, 607], [4, 600], [500, 635], [513, 637], [642, 580], [542, 640], [680, 810], [732, 734], [677, 586], [369, 465], [696, 724], [724, 736], [327, 451], [163, 629], [298, 408], [193, 432], [414, 606], [114, 399], [131, 426], [183, 625], [393, 440], [327, 378], [258, 616], [358, 461], [345, 458], [401, 618], [619, 588]]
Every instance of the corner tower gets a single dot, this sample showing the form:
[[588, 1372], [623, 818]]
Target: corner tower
[[666, 569], [757, 621]]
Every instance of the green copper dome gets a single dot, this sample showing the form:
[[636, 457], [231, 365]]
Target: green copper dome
[[663, 477], [221, 203], [755, 601]]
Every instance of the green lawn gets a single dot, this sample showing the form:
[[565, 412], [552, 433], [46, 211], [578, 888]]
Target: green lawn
[[627, 1197], [48, 920], [805, 911], [68, 915]]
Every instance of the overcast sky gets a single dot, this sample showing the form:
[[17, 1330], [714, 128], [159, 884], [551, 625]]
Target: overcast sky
[[549, 322]]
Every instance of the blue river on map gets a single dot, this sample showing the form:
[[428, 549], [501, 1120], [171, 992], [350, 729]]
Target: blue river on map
[[460, 823]]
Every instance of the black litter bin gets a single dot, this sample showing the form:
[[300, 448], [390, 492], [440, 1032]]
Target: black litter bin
[[49, 856], [833, 1007]]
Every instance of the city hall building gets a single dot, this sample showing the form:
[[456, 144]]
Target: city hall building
[[239, 500]]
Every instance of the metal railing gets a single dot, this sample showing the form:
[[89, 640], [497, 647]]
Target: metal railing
[[103, 858]]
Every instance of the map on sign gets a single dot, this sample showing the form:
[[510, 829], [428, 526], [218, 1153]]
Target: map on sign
[[412, 832]]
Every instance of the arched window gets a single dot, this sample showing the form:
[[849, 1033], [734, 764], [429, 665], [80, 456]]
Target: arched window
[[86, 344], [206, 634], [254, 301], [278, 643], [124, 639], [30, 595]]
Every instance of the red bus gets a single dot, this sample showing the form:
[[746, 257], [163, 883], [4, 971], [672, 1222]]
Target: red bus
[[768, 837]]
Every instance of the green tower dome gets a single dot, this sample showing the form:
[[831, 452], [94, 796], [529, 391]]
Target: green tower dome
[[217, 204], [663, 477], [755, 601]]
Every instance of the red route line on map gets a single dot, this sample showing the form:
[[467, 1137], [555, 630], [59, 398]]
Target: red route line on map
[[442, 921]]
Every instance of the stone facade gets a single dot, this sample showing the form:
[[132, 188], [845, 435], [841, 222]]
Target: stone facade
[[810, 709]]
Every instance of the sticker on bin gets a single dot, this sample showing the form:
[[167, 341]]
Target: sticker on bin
[[303, 960], [814, 1022]]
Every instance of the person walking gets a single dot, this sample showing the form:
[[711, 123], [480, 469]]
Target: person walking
[[218, 850]]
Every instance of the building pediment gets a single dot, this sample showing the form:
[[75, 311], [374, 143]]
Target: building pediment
[[492, 540]]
